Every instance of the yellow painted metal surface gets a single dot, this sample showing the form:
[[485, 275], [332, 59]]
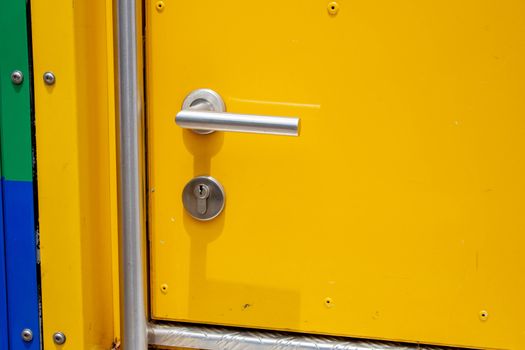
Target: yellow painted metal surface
[[398, 212], [75, 143]]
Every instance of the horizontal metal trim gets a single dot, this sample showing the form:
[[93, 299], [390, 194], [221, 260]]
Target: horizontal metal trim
[[223, 338]]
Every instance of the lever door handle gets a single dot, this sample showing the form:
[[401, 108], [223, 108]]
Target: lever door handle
[[204, 112]]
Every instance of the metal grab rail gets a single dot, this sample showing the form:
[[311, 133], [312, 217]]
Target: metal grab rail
[[134, 328]]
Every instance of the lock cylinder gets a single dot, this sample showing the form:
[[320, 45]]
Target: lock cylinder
[[203, 198]]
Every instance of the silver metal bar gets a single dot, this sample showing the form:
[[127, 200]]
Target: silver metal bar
[[134, 331], [222, 338], [222, 121]]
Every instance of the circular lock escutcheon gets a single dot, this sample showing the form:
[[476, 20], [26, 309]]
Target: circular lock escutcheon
[[203, 198]]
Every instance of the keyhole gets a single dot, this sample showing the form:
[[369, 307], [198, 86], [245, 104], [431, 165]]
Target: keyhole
[[202, 191]]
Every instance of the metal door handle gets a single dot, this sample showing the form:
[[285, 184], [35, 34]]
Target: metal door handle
[[203, 111]]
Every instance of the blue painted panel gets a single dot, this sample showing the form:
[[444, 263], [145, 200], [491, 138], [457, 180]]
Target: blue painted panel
[[3, 287], [21, 264]]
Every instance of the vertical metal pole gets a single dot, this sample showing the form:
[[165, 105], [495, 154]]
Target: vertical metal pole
[[134, 328]]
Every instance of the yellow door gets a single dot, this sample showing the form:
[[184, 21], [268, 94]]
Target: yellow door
[[399, 211]]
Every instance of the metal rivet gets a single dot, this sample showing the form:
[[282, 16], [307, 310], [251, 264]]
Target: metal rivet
[[328, 302], [17, 77], [49, 78], [27, 335], [483, 315], [160, 6], [164, 288], [59, 338], [333, 8]]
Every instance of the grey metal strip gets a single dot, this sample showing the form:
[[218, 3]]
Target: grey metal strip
[[223, 338], [134, 332]]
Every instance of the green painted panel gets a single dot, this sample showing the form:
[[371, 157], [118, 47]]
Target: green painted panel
[[15, 102]]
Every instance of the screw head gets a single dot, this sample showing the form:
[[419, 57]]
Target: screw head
[[483, 315], [27, 335], [17, 77], [333, 8], [160, 6], [59, 338], [49, 78]]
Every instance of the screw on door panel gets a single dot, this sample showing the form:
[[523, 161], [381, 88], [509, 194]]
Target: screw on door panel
[[17, 77], [27, 335], [483, 315], [49, 78], [333, 8], [59, 338], [328, 302], [159, 5]]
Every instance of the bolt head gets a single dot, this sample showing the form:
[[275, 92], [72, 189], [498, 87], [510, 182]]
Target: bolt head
[[17, 77], [59, 338], [49, 78], [27, 335]]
